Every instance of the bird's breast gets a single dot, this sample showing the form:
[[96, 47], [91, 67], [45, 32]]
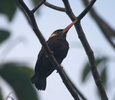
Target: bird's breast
[[60, 49]]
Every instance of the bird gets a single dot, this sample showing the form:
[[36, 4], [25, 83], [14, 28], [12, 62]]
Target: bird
[[59, 47]]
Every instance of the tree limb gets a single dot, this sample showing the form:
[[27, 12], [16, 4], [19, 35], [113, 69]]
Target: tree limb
[[69, 11], [23, 11], [91, 58], [54, 7], [86, 45], [80, 94], [86, 9], [40, 3]]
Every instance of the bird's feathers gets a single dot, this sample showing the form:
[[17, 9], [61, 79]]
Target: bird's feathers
[[44, 67]]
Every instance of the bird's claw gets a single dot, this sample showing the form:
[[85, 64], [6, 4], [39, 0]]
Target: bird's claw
[[61, 68], [52, 52], [47, 55]]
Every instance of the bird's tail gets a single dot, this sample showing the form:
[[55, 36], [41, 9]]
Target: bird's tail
[[39, 82]]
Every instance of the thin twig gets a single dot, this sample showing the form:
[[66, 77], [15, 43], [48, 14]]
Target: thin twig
[[86, 45], [48, 51], [54, 7], [40, 3], [9, 96]]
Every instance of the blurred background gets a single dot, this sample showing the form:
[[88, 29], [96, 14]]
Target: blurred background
[[19, 48]]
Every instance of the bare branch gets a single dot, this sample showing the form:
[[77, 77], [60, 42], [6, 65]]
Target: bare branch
[[80, 94], [54, 7], [69, 10], [23, 11], [92, 61], [86, 45], [86, 9], [40, 3], [48, 51]]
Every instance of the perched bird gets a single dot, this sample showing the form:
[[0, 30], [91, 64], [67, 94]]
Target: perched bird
[[59, 47]]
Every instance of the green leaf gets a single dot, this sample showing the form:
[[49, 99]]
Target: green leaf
[[104, 76], [19, 77], [86, 70], [8, 7], [4, 35], [1, 96]]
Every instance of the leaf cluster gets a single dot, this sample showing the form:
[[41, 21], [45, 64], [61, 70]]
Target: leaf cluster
[[17, 75]]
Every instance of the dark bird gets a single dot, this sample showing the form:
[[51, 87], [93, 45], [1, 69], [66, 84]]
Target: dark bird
[[59, 47]]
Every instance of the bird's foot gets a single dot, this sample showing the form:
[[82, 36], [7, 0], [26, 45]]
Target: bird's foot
[[47, 55], [61, 68]]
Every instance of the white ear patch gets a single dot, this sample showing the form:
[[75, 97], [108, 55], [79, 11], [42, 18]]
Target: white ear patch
[[53, 35]]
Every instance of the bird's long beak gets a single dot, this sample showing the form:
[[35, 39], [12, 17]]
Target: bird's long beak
[[68, 27]]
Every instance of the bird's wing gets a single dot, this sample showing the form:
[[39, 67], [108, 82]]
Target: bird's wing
[[42, 55]]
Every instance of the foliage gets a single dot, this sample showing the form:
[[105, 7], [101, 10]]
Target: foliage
[[8, 8], [4, 34], [16, 74], [100, 62], [1, 97]]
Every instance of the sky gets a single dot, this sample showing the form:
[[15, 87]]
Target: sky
[[26, 46]]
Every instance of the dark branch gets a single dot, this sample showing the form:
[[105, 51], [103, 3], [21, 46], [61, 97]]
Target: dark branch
[[48, 51], [91, 57], [69, 10], [40, 3], [23, 11], [54, 7], [80, 94], [86, 9], [86, 45]]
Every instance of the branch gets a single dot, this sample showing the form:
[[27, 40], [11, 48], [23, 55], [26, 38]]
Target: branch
[[48, 51], [86, 45], [23, 11], [91, 58], [80, 94], [40, 3], [86, 9], [9, 96], [69, 10], [104, 27], [54, 7]]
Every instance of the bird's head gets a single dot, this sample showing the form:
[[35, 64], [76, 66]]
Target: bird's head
[[62, 32]]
